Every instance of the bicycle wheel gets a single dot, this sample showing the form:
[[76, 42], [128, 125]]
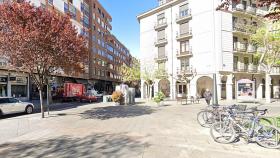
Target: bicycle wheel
[[223, 132], [205, 118], [268, 137]]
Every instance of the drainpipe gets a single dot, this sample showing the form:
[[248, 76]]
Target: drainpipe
[[215, 93], [172, 67]]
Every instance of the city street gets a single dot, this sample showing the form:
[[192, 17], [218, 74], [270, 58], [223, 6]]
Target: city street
[[106, 131]]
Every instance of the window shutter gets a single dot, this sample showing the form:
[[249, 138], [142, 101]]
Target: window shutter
[[184, 7], [161, 16], [161, 34], [184, 28], [161, 51]]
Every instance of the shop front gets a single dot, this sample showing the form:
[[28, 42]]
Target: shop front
[[3, 86], [13, 84]]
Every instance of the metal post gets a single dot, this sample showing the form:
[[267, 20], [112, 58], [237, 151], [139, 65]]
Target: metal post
[[48, 104], [215, 93]]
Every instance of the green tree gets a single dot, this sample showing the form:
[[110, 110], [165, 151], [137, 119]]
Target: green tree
[[149, 76], [131, 73], [267, 39]]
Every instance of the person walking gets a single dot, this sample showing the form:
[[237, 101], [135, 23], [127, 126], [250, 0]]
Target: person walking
[[207, 95]]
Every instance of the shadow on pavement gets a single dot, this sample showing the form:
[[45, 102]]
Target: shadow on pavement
[[96, 145], [109, 112]]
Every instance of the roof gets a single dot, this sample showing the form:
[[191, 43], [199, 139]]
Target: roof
[[159, 8]]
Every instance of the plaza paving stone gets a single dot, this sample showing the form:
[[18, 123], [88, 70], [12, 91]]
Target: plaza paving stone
[[103, 130]]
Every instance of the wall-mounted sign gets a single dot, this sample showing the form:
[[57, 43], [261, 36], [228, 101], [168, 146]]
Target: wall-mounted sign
[[3, 79], [18, 80], [245, 89]]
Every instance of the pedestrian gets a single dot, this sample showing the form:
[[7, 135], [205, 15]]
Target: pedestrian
[[207, 95]]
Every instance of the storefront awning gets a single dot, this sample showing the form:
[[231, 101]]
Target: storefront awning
[[81, 81]]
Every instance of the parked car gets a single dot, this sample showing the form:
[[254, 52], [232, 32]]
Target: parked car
[[9, 105], [88, 97]]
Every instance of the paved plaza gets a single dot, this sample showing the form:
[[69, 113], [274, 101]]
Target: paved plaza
[[106, 131]]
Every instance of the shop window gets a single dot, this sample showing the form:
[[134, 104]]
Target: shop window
[[19, 91]]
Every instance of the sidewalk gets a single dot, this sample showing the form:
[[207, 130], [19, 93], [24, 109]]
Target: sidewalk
[[103, 130]]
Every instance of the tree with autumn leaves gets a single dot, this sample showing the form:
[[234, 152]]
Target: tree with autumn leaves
[[40, 41], [273, 14]]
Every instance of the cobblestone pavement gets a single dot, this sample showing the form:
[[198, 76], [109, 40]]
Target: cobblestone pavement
[[107, 131]]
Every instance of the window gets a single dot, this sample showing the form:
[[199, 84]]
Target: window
[[184, 10], [50, 2], [86, 21], [85, 8], [72, 11], [185, 64], [255, 60], [161, 18], [184, 28], [161, 52], [66, 7], [235, 62], [13, 100], [244, 4], [246, 60], [4, 100], [102, 73], [235, 40], [161, 66], [185, 46], [161, 34]]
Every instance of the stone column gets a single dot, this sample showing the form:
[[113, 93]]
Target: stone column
[[260, 91], [229, 85], [173, 89], [9, 86], [267, 88], [219, 86], [193, 89], [156, 86], [143, 90]]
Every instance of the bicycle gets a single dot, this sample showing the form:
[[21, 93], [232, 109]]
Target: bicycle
[[206, 117], [228, 130]]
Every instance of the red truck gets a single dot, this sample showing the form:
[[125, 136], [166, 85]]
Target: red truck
[[73, 91]]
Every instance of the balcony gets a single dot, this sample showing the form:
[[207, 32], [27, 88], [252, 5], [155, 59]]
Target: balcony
[[240, 67], [246, 68], [251, 10], [185, 70], [161, 42], [184, 16], [161, 58], [253, 68], [184, 35], [261, 12], [160, 24], [239, 47], [251, 48], [239, 7], [275, 70], [241, 29], [185, 53]]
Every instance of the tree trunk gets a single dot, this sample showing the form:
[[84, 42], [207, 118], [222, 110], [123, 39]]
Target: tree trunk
[[267, 88], [151, 91], [41, 103]]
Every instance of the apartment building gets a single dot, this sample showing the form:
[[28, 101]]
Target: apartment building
[[106, 55], [192, 41]]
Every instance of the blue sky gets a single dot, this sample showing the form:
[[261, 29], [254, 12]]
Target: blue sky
[[125, 24]]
